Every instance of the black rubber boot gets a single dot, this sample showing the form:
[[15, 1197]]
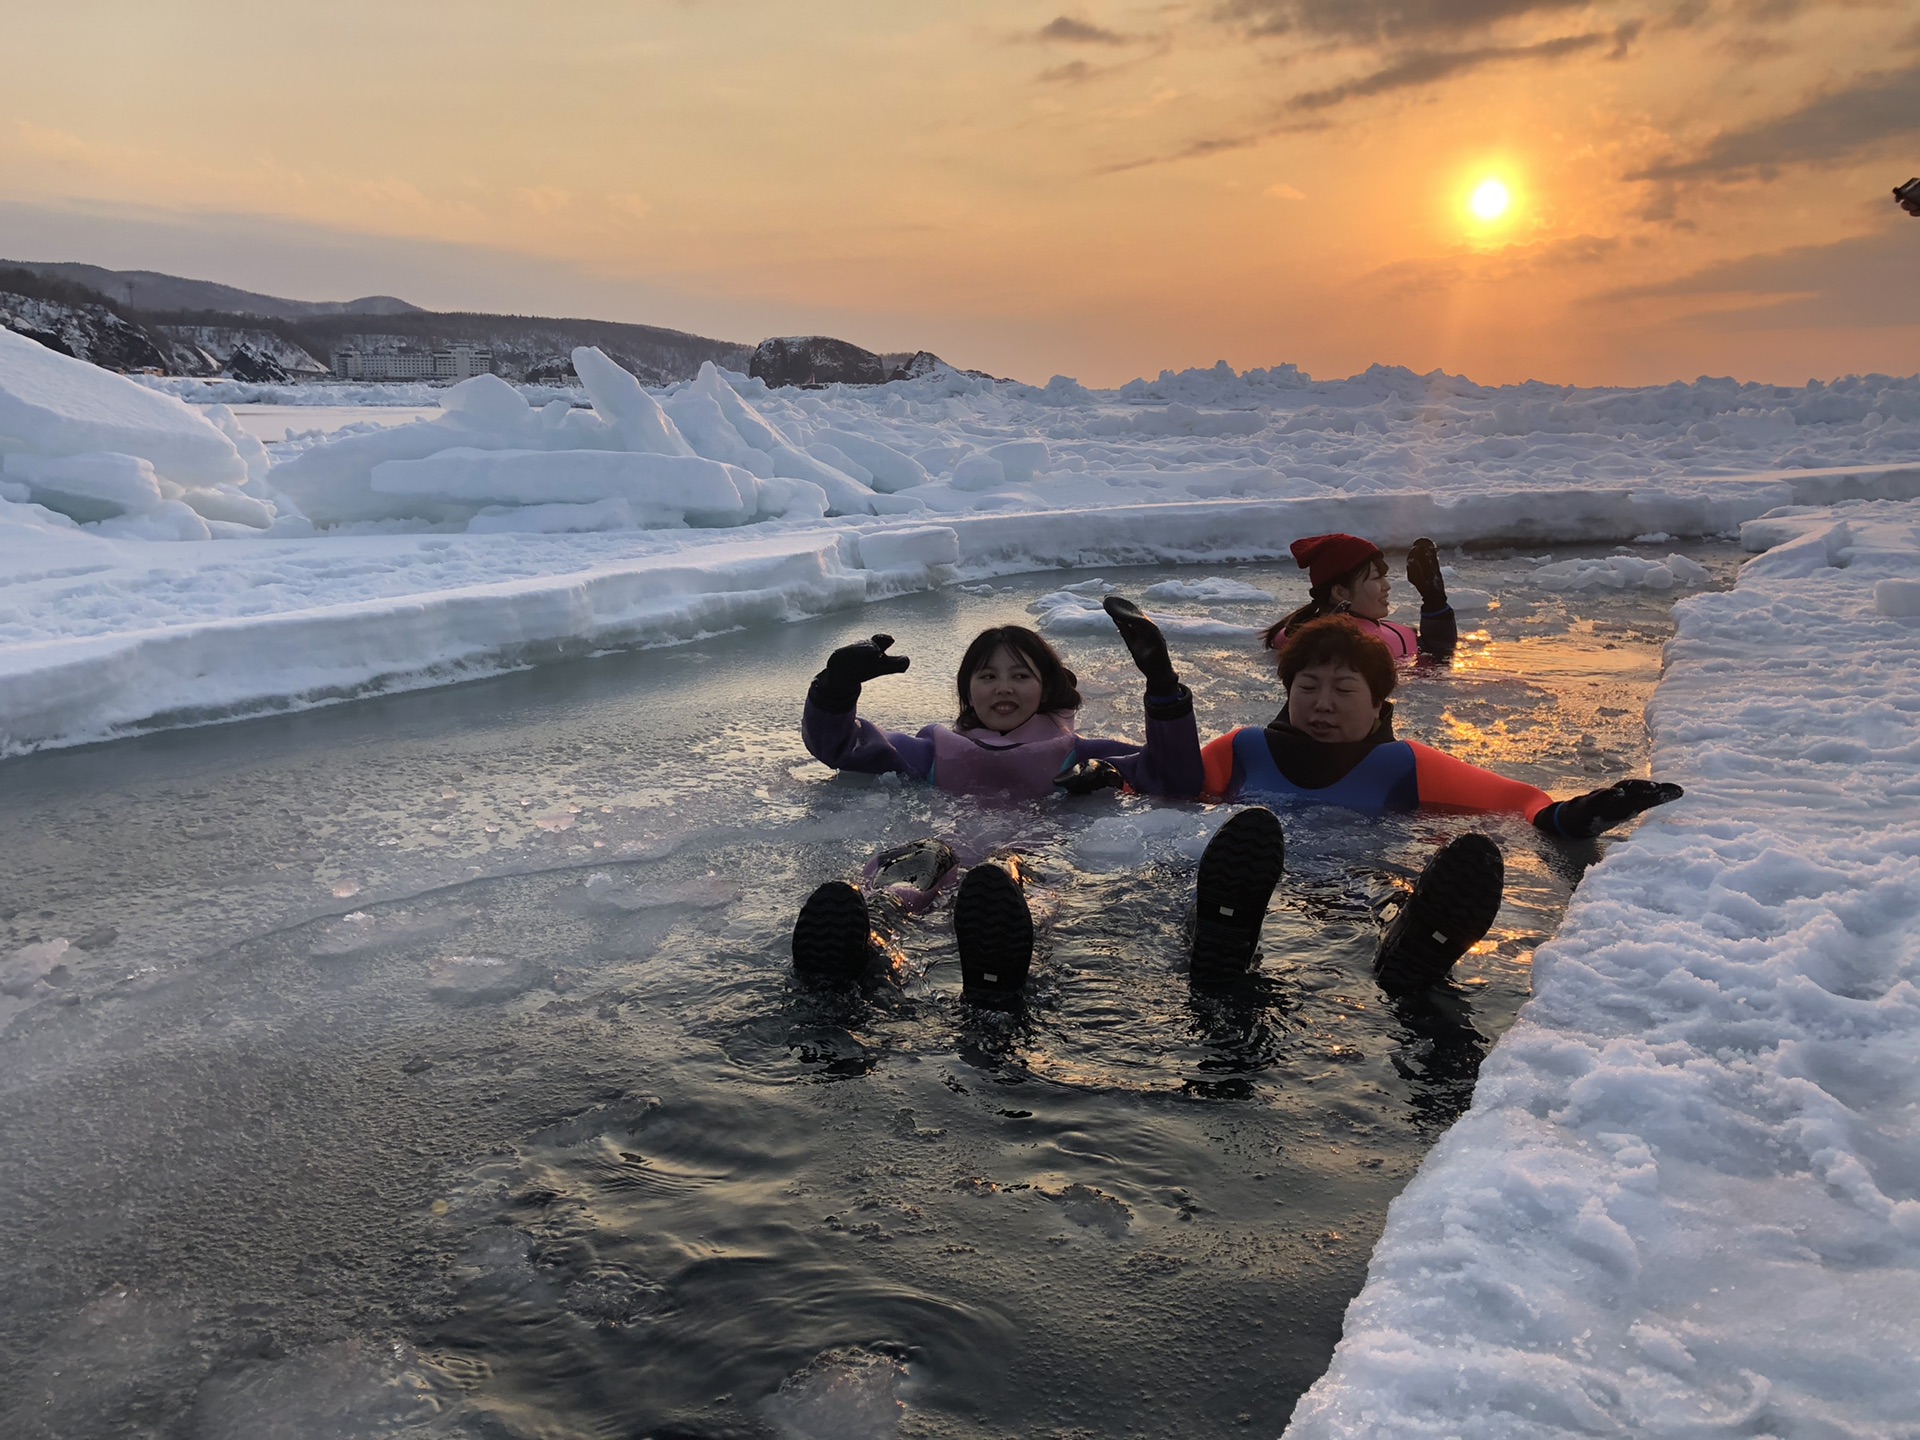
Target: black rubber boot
[[995, 931], [1453, 904], [831, 937], [1241, 866]]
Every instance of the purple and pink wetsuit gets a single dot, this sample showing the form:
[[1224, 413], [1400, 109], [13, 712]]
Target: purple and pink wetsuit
[[1023, 763]]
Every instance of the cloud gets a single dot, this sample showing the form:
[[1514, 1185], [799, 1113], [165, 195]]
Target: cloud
[[1284, 192], [1071, 73], [1064, 29], [1864, 281], [1883, 105], [1375, 21], [1427, 67]]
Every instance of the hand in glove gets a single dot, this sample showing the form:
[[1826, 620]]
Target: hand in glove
[[1587, 815], [837, 688], [1089, 776], [1423, 573], [1145, 643]]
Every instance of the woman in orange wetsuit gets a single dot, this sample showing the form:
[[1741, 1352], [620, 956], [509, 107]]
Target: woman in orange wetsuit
[[1333, 744], [1348, 576]]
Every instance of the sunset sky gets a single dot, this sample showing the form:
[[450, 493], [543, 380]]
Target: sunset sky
[[1102, 190]]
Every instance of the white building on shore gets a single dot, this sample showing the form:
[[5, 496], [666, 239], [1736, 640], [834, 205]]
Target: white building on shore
[[454, 362]]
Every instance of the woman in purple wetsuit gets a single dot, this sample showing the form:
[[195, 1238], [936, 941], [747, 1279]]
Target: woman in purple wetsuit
[[1348, 576], [1013, 738]]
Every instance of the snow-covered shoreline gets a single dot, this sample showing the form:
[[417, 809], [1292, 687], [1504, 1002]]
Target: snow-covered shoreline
[[1686, 1199]]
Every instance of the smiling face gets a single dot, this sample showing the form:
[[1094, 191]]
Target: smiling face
[[1368, 596], [1004, 691], [1332, 703]]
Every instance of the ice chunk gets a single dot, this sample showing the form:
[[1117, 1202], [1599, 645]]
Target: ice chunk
[[88, 487], [1210, 591], [892, 470], [844, 494], [1897, 598], [55, 405], [839, 460], [489, 403], [848, 1394], [558, 519], [1021, 460], [909, 546], [169, 520], [706, 427], [979, 471], [620, 401], [660, 489]]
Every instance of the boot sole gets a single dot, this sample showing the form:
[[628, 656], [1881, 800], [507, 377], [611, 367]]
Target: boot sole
[[1452, 906], [831, 935], [994, 929], [1238, 872]]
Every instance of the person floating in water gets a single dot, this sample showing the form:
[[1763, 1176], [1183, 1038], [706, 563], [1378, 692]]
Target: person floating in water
[[1348, 576], [1333, 744], [1013, 737]]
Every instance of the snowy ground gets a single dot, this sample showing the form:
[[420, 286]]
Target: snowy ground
[[1685, 1201]]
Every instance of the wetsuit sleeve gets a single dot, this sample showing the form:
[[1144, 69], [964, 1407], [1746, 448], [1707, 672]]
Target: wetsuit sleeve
[[1216, 758], [846, 742], [1169, 763], [1439, 632], [1452, 783]]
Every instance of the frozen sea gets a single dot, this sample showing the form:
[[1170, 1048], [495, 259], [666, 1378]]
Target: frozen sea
[[375, 1064]]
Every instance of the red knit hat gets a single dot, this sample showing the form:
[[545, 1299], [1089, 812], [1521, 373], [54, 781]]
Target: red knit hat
[[1326, 558]]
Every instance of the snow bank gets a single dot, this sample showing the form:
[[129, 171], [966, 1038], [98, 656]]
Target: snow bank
[[82, 446], [387, 613], [916, 483], [1686, 1200]]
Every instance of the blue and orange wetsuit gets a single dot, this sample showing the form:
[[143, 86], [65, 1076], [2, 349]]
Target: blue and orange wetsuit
[[1376, 775]]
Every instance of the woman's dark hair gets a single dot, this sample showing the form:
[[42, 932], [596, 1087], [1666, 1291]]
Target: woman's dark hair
[[1321, 602], [1336, 640], [1059, 686]]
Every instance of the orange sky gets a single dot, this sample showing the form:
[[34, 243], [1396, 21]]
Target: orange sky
[[1100, 191]]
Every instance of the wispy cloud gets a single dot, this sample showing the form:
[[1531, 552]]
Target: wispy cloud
[[1065, 30], [1428, 67], [1880, 106], [1071, 73], [1380, 21], [1866, 280]]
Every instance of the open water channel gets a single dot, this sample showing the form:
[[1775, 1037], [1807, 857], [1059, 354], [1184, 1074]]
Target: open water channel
[[430, 1065]]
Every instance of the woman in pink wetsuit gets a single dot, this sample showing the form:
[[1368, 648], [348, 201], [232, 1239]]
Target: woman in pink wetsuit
[[1013, 738], [1348, 576]]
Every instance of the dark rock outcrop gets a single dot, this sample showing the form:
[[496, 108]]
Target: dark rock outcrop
[[84, 331], [814, 360], [919, 365], [247, 364]]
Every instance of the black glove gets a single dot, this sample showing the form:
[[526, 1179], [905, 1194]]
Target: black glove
[[1587, 815], [1423, 573], [837, 688], [1145, 643], [1089, 776]]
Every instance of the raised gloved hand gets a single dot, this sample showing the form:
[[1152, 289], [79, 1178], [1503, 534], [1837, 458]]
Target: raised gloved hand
[[1089, 776], [1588, 815], [837, 687], [1145, 643], [1423, 573]]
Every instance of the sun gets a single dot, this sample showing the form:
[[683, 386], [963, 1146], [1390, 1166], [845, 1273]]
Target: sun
[[1490, 200]]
